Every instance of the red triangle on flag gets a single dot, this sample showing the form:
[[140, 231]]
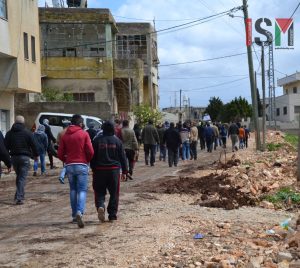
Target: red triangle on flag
[[284, 24]]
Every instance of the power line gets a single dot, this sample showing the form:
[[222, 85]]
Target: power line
[[211, 59], [202, 77]]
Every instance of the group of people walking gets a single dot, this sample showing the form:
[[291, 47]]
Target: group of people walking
[[111, 153]]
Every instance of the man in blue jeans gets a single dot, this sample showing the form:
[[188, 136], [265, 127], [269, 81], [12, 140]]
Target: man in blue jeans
[[21, 145], [76, 151]]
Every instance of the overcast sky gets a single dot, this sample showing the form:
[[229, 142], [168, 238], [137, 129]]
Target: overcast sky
[[224, 78]]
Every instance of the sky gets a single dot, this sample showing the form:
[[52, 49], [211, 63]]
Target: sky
[[217, 37]]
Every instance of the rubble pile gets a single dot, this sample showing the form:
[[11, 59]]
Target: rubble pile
[[245, 179]]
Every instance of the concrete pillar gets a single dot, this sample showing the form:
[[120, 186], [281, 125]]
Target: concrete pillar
[[149, 64]]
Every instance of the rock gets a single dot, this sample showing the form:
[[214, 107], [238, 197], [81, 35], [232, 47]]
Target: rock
[[225, 264], [283, 264], [198, 263], [255, 262], [224, 225], [179, 265], [295, 264], [266, 204], [210, 265], [294, 241], [244, 177], [275, 185], [192, 265], [267, 173], [284, 256]]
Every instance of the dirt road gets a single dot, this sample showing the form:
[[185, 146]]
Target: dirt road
[[153, 229]]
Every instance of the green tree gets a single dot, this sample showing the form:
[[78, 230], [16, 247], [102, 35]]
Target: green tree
[[235, 110], [54, 94], [144, 112], [214, 108]]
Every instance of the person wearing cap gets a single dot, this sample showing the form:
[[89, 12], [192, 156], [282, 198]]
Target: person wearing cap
[[50, 140], [21, 145], [42, 145], [108, 160], [76, 151]]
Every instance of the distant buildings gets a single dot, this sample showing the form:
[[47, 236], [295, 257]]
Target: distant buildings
[[288, 105], [106, 67], [19, 54]]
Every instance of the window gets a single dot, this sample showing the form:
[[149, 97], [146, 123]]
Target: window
[[69, 52], [294, 90], [277, 111], [3, 9], [90, 121], [33, 56], [55, 120], [26, 55], [84, 96], [285, 110], [297, 109]]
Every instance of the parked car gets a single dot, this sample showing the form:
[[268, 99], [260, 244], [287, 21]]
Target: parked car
[[56, 121]]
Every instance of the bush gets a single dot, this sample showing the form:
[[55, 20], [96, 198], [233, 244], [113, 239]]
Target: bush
[[292, 139], [283, 195], [273, 146]]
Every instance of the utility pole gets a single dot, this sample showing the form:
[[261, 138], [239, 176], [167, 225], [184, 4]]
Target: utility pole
[[264, 96], [298, 170], [252, 82], [180, 114]]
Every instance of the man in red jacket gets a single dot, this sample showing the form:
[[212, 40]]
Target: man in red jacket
[[76, 151]]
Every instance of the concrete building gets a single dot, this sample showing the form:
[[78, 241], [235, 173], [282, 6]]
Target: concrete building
[[288, 105], [87, 55], [19, 54]]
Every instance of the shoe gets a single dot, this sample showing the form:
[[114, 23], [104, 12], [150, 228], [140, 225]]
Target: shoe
[[112, 218], [61, 180], [128, 176], [101, 214], [34, 174], [79, 219], [19, 202], [74, 220], [152, 164]]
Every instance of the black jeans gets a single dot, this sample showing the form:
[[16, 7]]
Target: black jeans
[[150, 148], [107, 180], [21, 164], [209, 144], [202, 143], [130, 157], [173, 156], [193, 147]]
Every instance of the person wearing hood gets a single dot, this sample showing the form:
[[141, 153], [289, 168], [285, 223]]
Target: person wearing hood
[[108, 160], [42, 145], [76, 151], [51, 140], [21, 145]]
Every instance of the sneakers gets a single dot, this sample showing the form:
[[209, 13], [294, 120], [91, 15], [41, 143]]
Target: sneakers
[[79, 219], [101, 214], [112, 218], [61, 180], [19, 202], [74, 220]]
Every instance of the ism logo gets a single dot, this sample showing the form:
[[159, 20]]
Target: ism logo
[[283, 32]]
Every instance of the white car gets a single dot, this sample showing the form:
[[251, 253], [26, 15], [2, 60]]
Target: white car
[[56, 121]]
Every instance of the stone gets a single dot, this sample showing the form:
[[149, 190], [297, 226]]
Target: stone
[[284, 256], [283, 264], [294, 241], [266, 204], [198, 263], [210, 265], [255, 262], [225, 264], [295, 264]]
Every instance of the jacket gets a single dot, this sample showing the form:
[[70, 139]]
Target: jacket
[[41, 141], [194, 134], [49, 135], [172, 139], [20, 141], [109, 154], [209, 132], [216, 131], [161, 131], [184, 134], [233, 130], [129, 139], [75, 146], [150, 135], [4, 155]]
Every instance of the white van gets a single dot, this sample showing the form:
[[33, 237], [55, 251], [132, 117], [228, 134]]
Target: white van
[[56, 121]]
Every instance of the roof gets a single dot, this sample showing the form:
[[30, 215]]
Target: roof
[[289, 79]]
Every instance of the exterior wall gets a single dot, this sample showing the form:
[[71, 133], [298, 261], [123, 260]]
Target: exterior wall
[[289, 101], [22, 17], [6, 106]]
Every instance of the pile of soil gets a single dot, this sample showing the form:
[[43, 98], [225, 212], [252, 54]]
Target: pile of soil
[[215, 190]]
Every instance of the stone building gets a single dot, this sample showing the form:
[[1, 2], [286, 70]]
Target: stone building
[[19, 54], [108, 66]]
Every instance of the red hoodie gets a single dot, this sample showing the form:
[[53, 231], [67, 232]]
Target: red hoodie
[[75, 146]]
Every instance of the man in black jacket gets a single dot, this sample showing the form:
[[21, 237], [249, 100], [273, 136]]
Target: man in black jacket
[[109, 158], [21, 145], [51, 140], [4, 155], [172, 139]]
